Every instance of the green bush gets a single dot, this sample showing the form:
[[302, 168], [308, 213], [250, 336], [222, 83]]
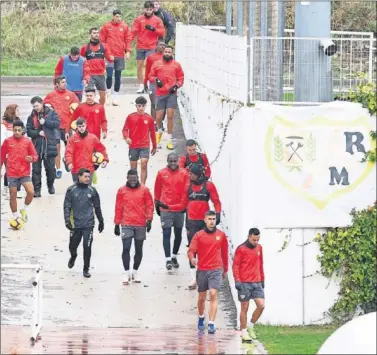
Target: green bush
[[350, 254], [365, 94]]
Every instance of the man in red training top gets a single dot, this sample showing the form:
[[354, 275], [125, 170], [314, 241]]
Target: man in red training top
[[133, 219], [95, 53], [76, 71], [147, 28], [93, 113], [61, 100], [138, 131], [200, 191], [211, 246], [170, 189], [18, 152], [194, 157], [148, 66], [117, 37], [249, 278], [168, 76], [80, 149]]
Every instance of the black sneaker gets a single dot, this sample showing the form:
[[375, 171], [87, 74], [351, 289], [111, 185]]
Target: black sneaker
[[51, 190], [169, 265], [86, 274], [71, 262], [37, 194], [175, 263]]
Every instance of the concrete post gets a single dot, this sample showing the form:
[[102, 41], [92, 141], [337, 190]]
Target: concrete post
[[313, 77], [228, 15], [240, 18]]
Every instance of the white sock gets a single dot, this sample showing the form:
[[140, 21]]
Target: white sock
[[211, 322], [115, 94], [168, 259], [26, 207], [244, 332], [59, 169], [108, 91], [193, 274], [127, 274], [134, 272], [15, 214], [141, 86], [250, 325], [201, 316], [174, 256], [169, 136], [160, 130]]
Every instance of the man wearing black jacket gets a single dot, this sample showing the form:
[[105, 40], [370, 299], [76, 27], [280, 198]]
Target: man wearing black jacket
[[80, 201], [167, 20], [43, 128]]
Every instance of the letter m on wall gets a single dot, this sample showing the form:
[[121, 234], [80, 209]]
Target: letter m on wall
[[335, 176]]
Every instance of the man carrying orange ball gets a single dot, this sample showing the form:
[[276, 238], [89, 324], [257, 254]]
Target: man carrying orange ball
[[82, 148]]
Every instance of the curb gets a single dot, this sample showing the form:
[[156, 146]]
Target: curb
[[48, 79]]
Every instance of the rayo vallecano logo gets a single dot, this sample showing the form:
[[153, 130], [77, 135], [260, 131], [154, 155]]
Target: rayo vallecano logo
[[319, 158]]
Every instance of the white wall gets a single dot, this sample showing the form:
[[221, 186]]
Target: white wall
[[234, 137]]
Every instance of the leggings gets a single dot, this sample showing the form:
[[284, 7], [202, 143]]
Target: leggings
[[74, 241], [127, 242], [109, 78], [166, 232]]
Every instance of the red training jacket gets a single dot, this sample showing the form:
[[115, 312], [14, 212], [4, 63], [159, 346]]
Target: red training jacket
[[147, 39], [61, 100], [171, 186], [212, 250], [59, 69], [97, 66], [183, 163], [79, 151], [117, 37], [140, 129], [248, 264], [133, 207], [95, 117], [170, 73], [13, 152], [151, 59]]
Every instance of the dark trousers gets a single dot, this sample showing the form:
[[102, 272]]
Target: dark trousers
[[166, 232], [109, 78], [74, 241], [49, 164], [127, 242], [192, 227]]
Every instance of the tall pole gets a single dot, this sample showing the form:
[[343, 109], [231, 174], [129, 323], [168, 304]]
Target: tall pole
[[239, 17], [263, 46], [250, 54], [281, 19], [228, 15], [313, 78]]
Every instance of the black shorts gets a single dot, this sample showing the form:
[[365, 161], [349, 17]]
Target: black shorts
[[62, 136], [98, 81], [250, 290], [118, 64], [209, 279], [166, 101], [135, 154]]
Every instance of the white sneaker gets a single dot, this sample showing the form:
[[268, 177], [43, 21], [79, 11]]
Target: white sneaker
[[126, 281], [140, 90], [193, 285], [115, 99], [108, 98], [136, 278]]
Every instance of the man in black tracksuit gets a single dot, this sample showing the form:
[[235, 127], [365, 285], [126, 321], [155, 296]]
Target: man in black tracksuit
[[43, 127], [80, 203], [167, 20]]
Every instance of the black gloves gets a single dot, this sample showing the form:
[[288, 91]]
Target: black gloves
[[157, 207], [69, 225], [150, 28], [159, 83], [101, 226], [238, 286], [117, 230], [218, 218], [149, 226], [173, 89], [162, 205], [146, 88], [262, 284]]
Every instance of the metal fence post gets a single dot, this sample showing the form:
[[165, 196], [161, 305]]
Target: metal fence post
[[239, 18], [263, 43], [228, 17]]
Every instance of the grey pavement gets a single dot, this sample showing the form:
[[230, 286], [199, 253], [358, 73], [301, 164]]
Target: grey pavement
[[161, 300]]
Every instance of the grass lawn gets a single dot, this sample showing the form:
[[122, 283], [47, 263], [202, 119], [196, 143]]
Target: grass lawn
[[293, 340], [32, 42]]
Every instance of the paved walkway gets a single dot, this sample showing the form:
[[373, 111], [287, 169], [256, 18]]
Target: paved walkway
[[161, 300]]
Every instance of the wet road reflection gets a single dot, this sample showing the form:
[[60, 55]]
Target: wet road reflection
[[75, 340]]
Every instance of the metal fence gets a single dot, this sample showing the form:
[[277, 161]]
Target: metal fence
[[220, 62]]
